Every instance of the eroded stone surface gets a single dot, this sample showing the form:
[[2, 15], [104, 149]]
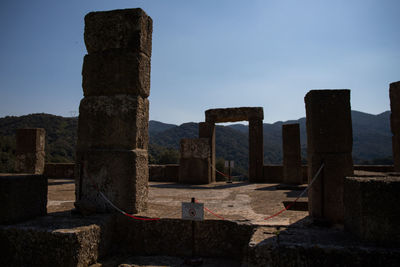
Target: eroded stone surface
[[30, 154], [129, 29], [113, 122]]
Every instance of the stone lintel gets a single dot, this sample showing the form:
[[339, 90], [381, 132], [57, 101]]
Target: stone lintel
[[234, 114]]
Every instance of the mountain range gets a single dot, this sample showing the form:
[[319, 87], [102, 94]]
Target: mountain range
[[371, 139]]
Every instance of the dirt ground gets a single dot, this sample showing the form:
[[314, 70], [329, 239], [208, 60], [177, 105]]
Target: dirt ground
[[235, 201]]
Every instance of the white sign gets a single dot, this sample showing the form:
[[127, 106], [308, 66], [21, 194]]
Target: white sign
[[192, 211], [229, 162]]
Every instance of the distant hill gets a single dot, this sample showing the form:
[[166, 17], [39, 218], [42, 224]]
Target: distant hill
[[371, 139]]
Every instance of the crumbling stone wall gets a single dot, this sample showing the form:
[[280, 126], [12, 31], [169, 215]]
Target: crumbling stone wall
[[394, 94], [255, 116], [30, 154], [329, 142], [114, 113], [292, 170]]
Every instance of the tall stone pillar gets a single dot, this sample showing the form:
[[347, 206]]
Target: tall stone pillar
[[113, 115], [394, 93], [329, 142], [256, 150], [207, 130], [30, 154], [292, 172]]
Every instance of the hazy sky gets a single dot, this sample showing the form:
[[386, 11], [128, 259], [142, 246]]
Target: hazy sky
[[209, 54]]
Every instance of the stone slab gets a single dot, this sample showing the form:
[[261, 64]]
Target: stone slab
[[30, 140], [329, 128], [22, 197], [371, 210], [172, 172], [121, 175], [118, 122], [33, 162], [115, 72], [234, 114], [129, 29]]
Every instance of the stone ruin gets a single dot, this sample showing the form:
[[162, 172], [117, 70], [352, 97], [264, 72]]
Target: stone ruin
[[111, 152], [112, 158], [30, 154], [255, 116], [329, 142], [292, 170]]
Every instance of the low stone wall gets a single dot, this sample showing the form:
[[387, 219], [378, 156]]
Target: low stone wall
[[59, 170], [371, 208], [273, 173], [374, 168], [22, 197], [164, 173]]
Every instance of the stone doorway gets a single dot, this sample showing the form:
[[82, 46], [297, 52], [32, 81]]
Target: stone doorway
[[255, 116]]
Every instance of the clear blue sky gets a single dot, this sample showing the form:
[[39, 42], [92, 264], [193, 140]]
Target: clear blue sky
[[209, 54]]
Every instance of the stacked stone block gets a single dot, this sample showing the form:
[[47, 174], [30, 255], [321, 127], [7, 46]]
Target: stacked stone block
[[329, 142], [30, 154], [394, 93], [292, 171], [195, 163], [113, 115]]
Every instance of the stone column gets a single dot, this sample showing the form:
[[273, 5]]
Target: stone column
[[195, 165], [292, 173], [329, 141], [256, 150], [207, 130], [394, 93], [113, 116], [30, 155]]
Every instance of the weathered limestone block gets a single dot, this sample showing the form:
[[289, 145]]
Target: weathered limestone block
[[195, 163], [116, 72], [121, 175], [22, 197], [256, 150], [30, 162], [371, 210], [234, 114], [325, 197], [394, 93], [292, 171], [207, 130], [30, 140], [129, 29], [117, 122], [329, 128]]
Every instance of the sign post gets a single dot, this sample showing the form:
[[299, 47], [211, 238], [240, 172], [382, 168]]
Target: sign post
[[195, 212]]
